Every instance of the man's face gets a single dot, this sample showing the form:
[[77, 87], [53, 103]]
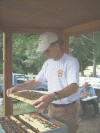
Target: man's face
[[52, 51], [86, 86]]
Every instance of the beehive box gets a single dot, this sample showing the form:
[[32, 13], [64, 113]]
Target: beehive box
[[30, 123]]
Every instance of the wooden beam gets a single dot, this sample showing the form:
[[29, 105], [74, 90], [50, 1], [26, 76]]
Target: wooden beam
[[84, 28], [7, 72], [26, 29]]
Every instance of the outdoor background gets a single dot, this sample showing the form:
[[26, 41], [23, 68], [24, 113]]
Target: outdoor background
[[25, 59], [85, 47]]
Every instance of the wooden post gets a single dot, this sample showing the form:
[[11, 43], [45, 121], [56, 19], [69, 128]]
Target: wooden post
[[7, 72], [66, 42], [64, 36]]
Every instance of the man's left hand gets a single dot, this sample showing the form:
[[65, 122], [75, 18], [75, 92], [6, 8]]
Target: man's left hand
[[43, 101]]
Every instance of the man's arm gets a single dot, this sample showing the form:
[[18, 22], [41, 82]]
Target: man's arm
[[45, 100], [92, 91], [69, 90], [25, 86]]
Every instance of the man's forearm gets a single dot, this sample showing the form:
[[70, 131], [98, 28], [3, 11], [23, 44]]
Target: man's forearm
[[45, 100], [69, 90], [26, 86]]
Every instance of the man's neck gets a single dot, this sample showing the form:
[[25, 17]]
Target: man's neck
[[59, 56]]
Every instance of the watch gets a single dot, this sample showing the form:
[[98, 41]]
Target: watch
[[57, 97]]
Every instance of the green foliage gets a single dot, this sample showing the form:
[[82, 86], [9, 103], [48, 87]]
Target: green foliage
[[86, 48], [20, 108], [25, 58]]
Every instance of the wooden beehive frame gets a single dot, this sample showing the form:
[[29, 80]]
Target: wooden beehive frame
[[23, 98]]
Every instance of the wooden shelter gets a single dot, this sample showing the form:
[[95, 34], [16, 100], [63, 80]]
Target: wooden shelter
[[65, 17]]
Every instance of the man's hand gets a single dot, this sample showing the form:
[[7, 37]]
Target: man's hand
[[43, 101], [24, 86], [84, 95], [9, 91]]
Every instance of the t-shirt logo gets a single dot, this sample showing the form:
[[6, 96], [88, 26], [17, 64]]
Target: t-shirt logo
[[40, 41], [60, 73]]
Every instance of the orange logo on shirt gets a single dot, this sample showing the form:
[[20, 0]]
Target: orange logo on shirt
[[40, 41], [60, 73]]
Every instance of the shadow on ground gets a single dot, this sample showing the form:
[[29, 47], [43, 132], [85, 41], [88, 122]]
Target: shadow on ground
[[89, 125]]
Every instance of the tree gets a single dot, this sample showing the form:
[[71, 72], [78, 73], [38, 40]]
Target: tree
[[86, 48], [25, 58]]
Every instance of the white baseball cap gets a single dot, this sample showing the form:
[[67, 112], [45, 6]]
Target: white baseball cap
[[45, 40]]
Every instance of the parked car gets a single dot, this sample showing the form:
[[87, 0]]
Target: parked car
[[97, 76], [16, 79], [41, 87]]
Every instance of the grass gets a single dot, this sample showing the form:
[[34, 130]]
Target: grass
[[1, 110], [20, 108]]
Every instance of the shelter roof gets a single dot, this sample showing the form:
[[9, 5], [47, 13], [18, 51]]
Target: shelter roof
[[54, 14]]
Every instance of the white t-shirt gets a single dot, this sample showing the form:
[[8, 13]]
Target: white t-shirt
[[60, 74]]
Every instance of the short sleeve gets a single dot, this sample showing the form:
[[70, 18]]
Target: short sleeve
[[41, 77], [73, 71], [92, 91], [82, 90]]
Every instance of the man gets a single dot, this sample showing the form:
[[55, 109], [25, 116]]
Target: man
[[86, 91], [61, 73]]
